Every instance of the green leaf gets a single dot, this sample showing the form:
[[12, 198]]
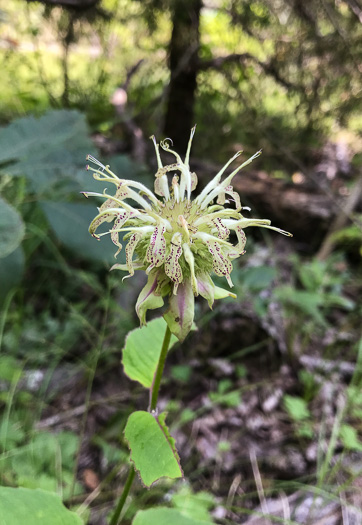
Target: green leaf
[[152, 448], [296, 407], [331, 299], [142, 351], [34, 507], [194, 506], [11, 434], [46, 149], [70, 223], [307, 302], [9, 368], [230, 399], [348, 436], [312, 274], [258, 278], [165, 516], [11, 229], [11, 272], [181, 372]]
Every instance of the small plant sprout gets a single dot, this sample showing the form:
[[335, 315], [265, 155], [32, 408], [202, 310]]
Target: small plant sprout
[[178, 241]]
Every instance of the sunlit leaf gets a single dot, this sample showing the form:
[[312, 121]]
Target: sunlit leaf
[[296, 407], [153, 450], [142, 351], [195, 506], [349, 438], [34, 507]]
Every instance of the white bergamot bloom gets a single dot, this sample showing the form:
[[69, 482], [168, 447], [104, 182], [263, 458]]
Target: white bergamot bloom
[[178, 241]]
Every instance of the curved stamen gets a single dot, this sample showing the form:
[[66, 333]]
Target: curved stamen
[[217, 214], [216, 180], [97, 163], [187, 158], [221, 187]]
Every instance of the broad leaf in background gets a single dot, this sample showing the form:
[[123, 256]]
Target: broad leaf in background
[[311, 303], [142, 351], [45, 149], [257, 278], [11, 229], [34, 507], [165, 516], [193, 505], [153, 450], [50, 152], [307, 302], [11, 271], [349, 437], [70, 222]]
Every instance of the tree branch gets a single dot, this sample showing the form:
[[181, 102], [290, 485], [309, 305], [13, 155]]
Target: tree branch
[[124, 110], [80, 5], [269, 67]]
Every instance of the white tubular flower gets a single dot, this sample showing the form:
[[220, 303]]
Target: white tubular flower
[[179, 242]]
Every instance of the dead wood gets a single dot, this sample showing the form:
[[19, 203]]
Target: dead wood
[[303, 209]]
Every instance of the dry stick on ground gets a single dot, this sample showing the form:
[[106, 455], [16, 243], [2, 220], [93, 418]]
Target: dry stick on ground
[[78, 411], [259, 485], [232, 490], [318, 363]]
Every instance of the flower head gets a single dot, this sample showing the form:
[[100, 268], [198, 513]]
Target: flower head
[[178, 241]]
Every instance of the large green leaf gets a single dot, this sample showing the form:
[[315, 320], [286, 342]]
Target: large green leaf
[[11, 271], [33, 507], [165, 516], [194, 505], [142, 351], [70, 222], [45, 149], [11, 229], [153, 450], [307, 302]]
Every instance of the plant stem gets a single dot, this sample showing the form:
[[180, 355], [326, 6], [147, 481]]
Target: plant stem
[[122, 499], [153, 404], [158, 375]]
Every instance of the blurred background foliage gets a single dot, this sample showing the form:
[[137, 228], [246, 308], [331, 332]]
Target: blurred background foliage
[[100, 77]]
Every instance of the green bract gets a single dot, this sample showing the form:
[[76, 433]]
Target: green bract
[[178, 241]]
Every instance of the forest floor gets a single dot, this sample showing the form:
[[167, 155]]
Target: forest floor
[[265, 415]]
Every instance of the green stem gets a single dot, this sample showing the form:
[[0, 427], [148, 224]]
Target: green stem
[[158, 375], [122, 499], [153, 404]]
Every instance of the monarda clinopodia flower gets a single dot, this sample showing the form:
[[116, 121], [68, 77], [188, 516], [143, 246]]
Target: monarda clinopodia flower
[[178, 241]]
